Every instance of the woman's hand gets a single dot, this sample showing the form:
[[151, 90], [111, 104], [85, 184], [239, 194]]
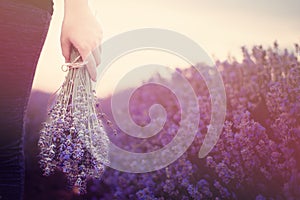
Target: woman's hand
[[81, 30]]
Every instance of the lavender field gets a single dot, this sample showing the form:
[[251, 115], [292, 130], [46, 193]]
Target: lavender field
[[256, 157]]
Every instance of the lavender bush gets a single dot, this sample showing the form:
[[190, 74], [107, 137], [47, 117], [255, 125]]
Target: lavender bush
[[256, 157]]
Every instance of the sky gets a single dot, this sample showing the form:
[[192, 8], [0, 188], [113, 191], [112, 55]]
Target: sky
[[220, 27]]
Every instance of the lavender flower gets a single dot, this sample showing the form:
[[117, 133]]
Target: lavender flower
[[73, 139]]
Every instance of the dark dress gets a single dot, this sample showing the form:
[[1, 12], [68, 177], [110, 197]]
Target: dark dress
[[23, 28]]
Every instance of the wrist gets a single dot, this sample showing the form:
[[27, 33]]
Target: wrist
[[75, 6]]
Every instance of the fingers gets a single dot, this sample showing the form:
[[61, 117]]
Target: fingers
[[93, 60], [66, 49], [91, 66], [86, 49]]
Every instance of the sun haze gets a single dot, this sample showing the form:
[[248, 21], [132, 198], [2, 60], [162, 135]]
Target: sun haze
[[220, 27]]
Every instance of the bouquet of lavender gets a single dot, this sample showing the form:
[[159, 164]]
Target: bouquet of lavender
[[73, 139]]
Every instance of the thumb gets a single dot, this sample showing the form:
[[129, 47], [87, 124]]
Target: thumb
[[66, 49]]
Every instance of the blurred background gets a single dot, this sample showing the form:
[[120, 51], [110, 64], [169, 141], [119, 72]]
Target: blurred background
[[254, 44], [219, 27]]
